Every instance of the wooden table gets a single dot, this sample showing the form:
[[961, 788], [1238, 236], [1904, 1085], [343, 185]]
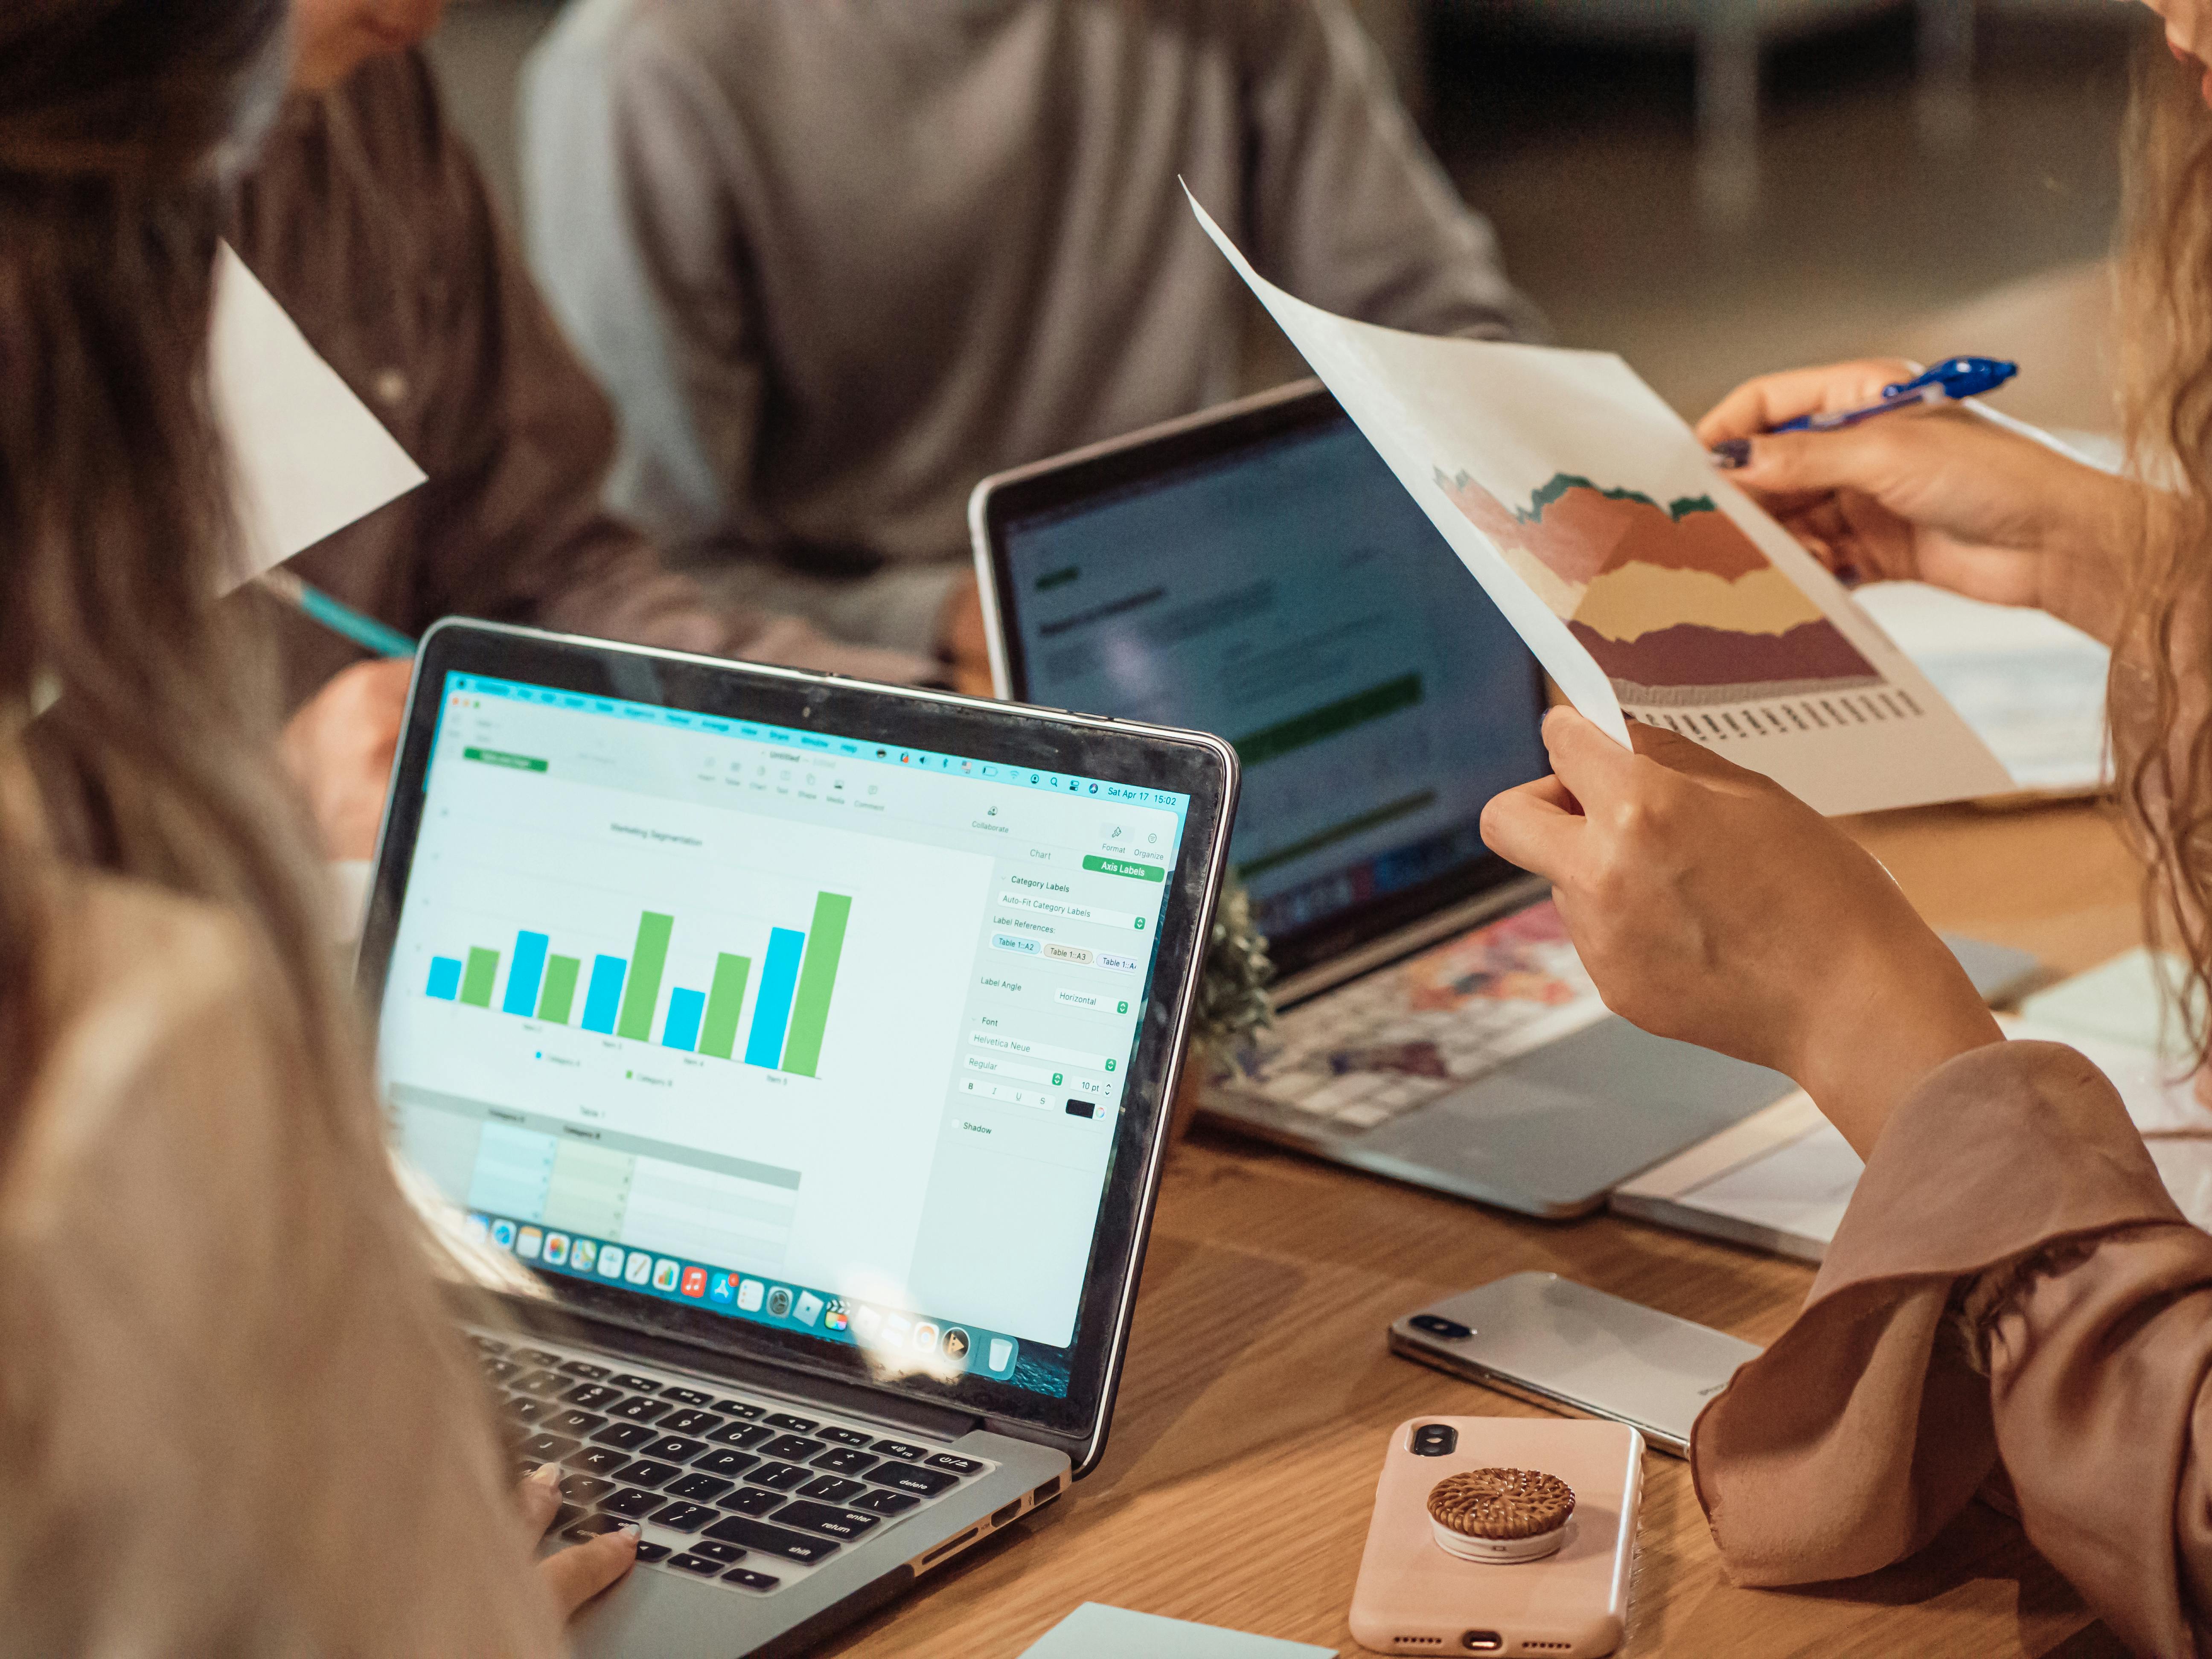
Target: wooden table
[[1259, 1392]]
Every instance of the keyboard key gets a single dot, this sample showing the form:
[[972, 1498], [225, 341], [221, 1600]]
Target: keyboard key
[[899, 1450], [925, 1483], [699, 1563], [725, 1461], [700, 1488], [739, 1434], [649, 1474], [564, 1517], [593, 1396], [746, 1578], [523, 1412], [830, 1490], [714, 1550], [548, 1448], [629, 1435], [883, 1501], [631, 1505], [649, 1552], [958, 1465], [786, 1420], [500, 1369], [690, 1422], [829, 1522], [673, 1448], [687, 1396], [780, 1477], [535, 1356], [637, 1384], [794, 1448], [591, 1526], [684, 1517], [843, 1459], [737, 1408], [584, 1368], [643, 1408], [772, 1540], [843, 1437], [544, 1384], [586, 1488], [598, 1460], [490, 1344], [755, 1501], [572, 1423]]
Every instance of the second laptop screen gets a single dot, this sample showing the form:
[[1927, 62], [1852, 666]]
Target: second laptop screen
[[1291, 598]]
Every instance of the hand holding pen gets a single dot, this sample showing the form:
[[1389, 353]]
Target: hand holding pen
[[1961, 497]]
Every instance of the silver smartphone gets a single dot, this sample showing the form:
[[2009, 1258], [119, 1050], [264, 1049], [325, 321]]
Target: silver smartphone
[[1564, 1346]]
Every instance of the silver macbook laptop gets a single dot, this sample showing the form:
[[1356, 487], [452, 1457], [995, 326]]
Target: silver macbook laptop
[[808, 1041], [1257, 572]]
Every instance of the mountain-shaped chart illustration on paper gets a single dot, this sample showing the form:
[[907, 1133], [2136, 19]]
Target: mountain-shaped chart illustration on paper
[[1676, 603]]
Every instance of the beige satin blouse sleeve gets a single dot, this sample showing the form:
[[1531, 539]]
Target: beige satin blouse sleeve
[[2011, 1188]]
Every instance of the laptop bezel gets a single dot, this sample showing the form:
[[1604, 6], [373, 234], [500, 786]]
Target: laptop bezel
[[1197, 765], [1081, 476]]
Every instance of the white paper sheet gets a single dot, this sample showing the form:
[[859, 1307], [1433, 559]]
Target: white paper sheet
[[2031, 688], [1095, 1630], [1798, 1183], [1595, 521], [308, 457]]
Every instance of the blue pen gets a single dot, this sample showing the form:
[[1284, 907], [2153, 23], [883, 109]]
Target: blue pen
[[1949, 381], [340, 618]]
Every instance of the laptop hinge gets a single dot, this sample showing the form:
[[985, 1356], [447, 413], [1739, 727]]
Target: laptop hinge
[[557, 1323], [1381, 952]]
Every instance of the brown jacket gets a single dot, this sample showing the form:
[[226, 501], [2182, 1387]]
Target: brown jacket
[[2010, 1195], [368, 220]]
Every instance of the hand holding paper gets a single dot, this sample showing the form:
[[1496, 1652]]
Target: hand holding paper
[[1646, 584]]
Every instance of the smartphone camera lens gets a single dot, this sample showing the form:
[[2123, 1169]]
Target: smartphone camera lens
[[1437, 1325], [1435, 1440]]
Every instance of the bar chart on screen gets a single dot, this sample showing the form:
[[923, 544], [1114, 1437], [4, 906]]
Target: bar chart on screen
[[792, 993]]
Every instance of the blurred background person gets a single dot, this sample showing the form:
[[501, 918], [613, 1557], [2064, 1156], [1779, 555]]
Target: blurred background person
[[367, 218], [234, 1415], [837, 262]]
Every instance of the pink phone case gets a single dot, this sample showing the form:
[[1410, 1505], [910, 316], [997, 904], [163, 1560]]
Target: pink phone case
[[1414, 1598]]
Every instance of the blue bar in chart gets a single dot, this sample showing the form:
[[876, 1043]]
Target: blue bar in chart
[[523, 977], [604, 999], [445, 978], [681, 1029], [772, 1011]]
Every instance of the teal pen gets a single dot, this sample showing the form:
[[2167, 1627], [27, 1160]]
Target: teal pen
[[340, 618]]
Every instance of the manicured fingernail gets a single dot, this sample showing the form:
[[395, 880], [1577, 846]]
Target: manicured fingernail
[[546, 1474], [630, 1530], [1730, 454]]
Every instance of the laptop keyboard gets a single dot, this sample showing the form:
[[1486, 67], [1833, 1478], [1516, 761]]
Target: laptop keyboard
[[1354, 1058], [740, 1490]]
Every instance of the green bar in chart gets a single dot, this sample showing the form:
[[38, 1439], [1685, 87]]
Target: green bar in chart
[[642, 994], [818, 977], [476, 978], [560, 991], [725, 998]]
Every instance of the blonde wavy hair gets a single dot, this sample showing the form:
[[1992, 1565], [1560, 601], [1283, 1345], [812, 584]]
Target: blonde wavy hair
[[2160, 690]]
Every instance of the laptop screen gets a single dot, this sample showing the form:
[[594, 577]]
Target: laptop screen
[[787, 1026], [1287, 594]]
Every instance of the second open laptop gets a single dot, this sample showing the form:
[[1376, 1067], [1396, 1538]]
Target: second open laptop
[[1257, 572], [810, 1044]]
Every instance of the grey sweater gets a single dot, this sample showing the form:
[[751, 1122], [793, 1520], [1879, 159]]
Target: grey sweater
[[838, 259]]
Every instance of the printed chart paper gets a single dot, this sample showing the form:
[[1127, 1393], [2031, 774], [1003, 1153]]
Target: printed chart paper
[[1648, 586], [308, 457]]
